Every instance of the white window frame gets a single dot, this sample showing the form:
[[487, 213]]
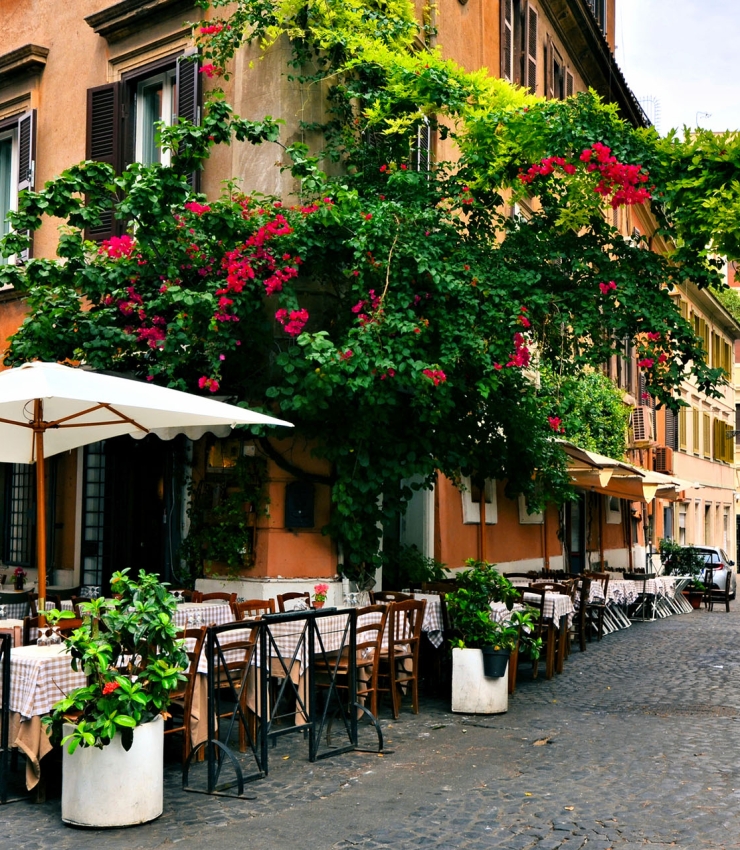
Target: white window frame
[[525, 518], [11, 134], [613, 515], [471, 509], [167, 80]]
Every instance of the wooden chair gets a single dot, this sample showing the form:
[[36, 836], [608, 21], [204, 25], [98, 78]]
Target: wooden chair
[[442, 585], [369, 641], [250, 609], [33, 598], [282, 598], [544, 629], [595, 610], [399, 665], [21, 600], [181, 701], [435, 662], [225, 597], [388, 596], [552, 586], [712, 595], [231, 678]]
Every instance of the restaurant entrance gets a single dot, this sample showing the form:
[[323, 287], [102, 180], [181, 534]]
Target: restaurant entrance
[[132, 504], [575, 530]]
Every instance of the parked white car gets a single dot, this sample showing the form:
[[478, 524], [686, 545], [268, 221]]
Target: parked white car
[[723, 569]]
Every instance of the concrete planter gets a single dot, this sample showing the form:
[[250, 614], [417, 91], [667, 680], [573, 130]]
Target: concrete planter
[[472, 692], [112, 787]]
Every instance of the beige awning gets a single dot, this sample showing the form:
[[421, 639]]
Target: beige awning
[[600, 474]]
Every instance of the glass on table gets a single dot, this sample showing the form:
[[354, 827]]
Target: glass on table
[[3, 612], [43, 638]]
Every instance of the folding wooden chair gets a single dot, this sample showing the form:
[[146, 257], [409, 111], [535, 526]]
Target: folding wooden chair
[[399, 664]]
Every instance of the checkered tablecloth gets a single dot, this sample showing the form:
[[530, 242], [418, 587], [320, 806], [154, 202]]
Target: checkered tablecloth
[[622, 592], [217, 613], [39, 677], [557, 606]]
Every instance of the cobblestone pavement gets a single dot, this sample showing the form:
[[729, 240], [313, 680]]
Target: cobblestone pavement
[[634, 746]]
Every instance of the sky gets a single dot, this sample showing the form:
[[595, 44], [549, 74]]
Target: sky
[[684, 53]]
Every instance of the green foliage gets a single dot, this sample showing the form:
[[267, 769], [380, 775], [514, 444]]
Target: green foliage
[[592, 410], [219, 517], [680, 560], [127, 646], [406, 566], [395, 315], [469, 606]]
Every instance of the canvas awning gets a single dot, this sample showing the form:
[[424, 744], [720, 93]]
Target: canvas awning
[[600, 474]]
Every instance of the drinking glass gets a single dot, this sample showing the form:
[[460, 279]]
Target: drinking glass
[[55, 637], [3, 612], [43, 638]]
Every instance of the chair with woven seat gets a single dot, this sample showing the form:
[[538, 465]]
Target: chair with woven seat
[[399, 663], [371, 621], [181, 700], [388, 596], [250, 609], [17, 605], [545, 630], [282, 598], [33, 598]]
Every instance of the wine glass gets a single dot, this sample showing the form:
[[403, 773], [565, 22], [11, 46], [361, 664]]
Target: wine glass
[[43, 638]]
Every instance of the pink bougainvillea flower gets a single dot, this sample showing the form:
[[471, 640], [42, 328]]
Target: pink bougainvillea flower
[[555, 422], [646, 363], [653, 336], [293, 322], [346, 355], [436, 376], [211, 29], [208, 384], [210, 70], [195, 207], [117, 246], [662, 358]]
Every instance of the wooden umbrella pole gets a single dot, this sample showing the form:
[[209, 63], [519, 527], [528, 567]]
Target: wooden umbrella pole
[[38, 436]]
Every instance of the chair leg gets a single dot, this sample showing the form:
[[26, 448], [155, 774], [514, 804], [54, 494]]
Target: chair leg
[[550, 655], [513, 663]]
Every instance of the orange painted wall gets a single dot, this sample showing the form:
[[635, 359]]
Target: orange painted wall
[[508, 540]]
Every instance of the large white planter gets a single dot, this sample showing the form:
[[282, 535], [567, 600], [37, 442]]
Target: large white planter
[[112, 787], [472, 692]]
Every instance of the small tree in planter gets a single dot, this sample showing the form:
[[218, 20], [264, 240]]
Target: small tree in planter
[[128, 648], [469, 606], [680, 560]]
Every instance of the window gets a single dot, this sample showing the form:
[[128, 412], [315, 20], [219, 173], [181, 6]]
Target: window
[[471, 502], [707, 435], [613, 510], [598, 7], [519, 25], [682, 426], [155, 100], [671, 429], [17, 165], [682, 524], [526, 518], [121, 117], [695, 435], [93, 513], [422, 154], [559, 79], [19, 509]]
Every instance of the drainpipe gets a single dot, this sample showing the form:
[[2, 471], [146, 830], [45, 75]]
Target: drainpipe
[[482, 522]]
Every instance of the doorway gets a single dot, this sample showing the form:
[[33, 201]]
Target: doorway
[[575, 530]]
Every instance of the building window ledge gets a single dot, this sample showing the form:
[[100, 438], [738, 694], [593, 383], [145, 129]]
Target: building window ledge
[[29, 59], [127, 17]]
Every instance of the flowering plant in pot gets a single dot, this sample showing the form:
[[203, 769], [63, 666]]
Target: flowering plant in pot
[[19, 577], [319, 595], [128, 648]]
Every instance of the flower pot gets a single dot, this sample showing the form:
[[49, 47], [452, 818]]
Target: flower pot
[[19, 580], [110, 787], [495, 662], [695, 598], [472, 691], [317, 604]]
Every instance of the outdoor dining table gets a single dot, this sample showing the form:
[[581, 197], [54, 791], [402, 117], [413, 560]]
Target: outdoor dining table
[[216, 612], [39, 677]]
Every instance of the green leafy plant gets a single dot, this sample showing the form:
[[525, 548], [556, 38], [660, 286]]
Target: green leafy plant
[[469, 606], [128, 648], [680, 560], [406, 566]]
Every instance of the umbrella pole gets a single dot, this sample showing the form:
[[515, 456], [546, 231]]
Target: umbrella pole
[[38, 434]]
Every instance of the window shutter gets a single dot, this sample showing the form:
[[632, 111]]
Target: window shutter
[[507, 40], [104, 143], [550, 69], [27, 163], [569, 84], [671, 429], [189, 98], [682, 441], [695, 426], [530, 53]]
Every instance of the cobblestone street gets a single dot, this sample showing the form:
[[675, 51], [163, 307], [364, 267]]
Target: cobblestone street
[[635, 745]]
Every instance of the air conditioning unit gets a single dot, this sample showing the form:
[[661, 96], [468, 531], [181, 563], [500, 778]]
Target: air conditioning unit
[[641, 424], [664, 460]]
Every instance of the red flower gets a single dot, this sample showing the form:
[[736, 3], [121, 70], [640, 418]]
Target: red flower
[[555, 422], [109, 687], [198, 209], [646, 363]]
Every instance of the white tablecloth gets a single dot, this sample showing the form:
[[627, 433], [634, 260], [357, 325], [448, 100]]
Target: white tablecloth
[[217, 613], [39, 677]]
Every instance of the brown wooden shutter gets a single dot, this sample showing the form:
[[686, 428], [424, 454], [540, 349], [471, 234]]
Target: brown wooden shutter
[[569, 84], [550, 69], [507, 40], [671, 429], [188, 104], [530, 51], [104, 143], [27, 163]]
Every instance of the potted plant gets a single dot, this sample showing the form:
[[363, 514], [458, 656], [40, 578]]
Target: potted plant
[[319, 595], [478, 635], [113, 727], [684, 561], [19, 577]]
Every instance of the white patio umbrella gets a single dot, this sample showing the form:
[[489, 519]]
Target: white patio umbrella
[[46, 408]]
